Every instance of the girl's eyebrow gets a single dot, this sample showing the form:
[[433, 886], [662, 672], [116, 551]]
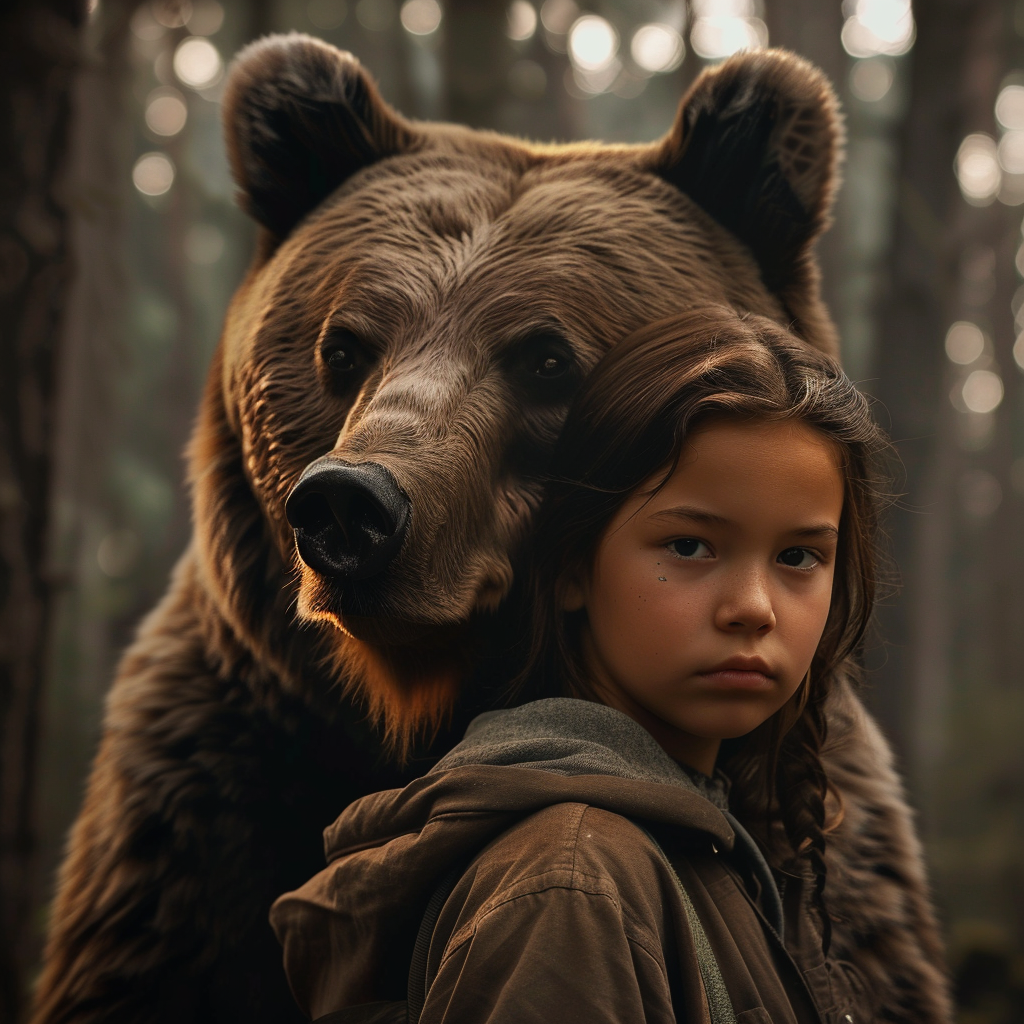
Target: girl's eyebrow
[[692, 512], [702, 515], [824, 529]]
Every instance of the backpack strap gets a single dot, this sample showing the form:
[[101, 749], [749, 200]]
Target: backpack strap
[[717, 995], [416, 991]]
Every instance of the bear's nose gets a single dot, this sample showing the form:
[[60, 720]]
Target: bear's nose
[[349, 519]]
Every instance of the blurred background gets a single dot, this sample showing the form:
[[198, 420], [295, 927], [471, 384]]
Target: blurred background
[[120, 247]]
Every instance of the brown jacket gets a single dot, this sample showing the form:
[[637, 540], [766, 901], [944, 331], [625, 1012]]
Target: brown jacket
[[566, 910]]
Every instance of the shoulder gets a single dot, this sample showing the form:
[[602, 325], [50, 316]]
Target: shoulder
[[575, 847], [562, 911]]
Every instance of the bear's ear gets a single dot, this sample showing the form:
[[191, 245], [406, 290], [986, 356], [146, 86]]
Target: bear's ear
[[756, 143], [299, 118]]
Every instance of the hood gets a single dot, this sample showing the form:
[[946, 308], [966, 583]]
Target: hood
[[388, 851], [575, 737]]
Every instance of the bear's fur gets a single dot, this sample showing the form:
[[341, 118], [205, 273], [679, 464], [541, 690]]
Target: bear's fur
[[447, 266]]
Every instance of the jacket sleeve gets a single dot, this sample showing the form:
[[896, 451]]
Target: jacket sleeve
[[555, 956]]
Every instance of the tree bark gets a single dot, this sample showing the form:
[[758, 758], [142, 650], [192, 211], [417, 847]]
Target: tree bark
[[39, 53]]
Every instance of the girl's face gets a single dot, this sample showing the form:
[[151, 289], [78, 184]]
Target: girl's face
[[705, 603]]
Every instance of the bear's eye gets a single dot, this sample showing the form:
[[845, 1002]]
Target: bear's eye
[[342, 359], [550, 365], [343, 354], [545, 367]]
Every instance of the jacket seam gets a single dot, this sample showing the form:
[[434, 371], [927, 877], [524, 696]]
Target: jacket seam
[[630, 935], [584, 881]]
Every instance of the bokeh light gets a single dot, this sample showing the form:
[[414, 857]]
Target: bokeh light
[[197, 62], [1011, 152], [1010, 107], [977, 169], [982, 391], [1018, 350], [1011, 191], [724, 8], [878, 27], [522, 20], [171, 13], [421, 17], [153, 174], [724, 27], [713, 38], [657, 48], [557, 15], [965, 342], [166, 111], [593, 43], [871, 78], [593, 83], [144, 26], [327, 14]]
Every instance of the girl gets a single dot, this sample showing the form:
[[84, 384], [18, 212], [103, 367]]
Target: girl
[[703, 569]]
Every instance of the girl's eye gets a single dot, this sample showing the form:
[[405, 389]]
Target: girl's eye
[[798, 558], [690, 547]]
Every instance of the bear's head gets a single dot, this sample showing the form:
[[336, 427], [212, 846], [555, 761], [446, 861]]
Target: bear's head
[[424, 301]]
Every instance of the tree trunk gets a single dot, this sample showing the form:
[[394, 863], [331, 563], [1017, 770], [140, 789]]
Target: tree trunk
[[39, 53], [476, 60], [956, 64]]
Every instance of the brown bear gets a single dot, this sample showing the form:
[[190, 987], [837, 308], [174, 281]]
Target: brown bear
[[370, 449]]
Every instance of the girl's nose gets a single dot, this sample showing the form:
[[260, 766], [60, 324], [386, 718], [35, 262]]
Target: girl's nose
[[747, 605]]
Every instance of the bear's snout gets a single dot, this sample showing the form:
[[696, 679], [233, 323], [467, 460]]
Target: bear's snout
[[349, 519]]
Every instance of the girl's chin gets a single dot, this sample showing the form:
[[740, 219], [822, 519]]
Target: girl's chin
[[714, 728]]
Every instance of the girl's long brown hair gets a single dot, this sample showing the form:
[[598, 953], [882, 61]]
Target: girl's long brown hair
[[628, 425]]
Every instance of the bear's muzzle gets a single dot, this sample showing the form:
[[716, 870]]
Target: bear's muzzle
[[349, 519]]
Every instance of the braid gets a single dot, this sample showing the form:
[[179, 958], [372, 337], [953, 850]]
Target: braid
[[780, 787], [801, 787]]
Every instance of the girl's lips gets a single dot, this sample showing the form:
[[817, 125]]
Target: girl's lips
[[738, 679]]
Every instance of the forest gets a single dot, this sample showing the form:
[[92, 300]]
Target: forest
[[121, 245]]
